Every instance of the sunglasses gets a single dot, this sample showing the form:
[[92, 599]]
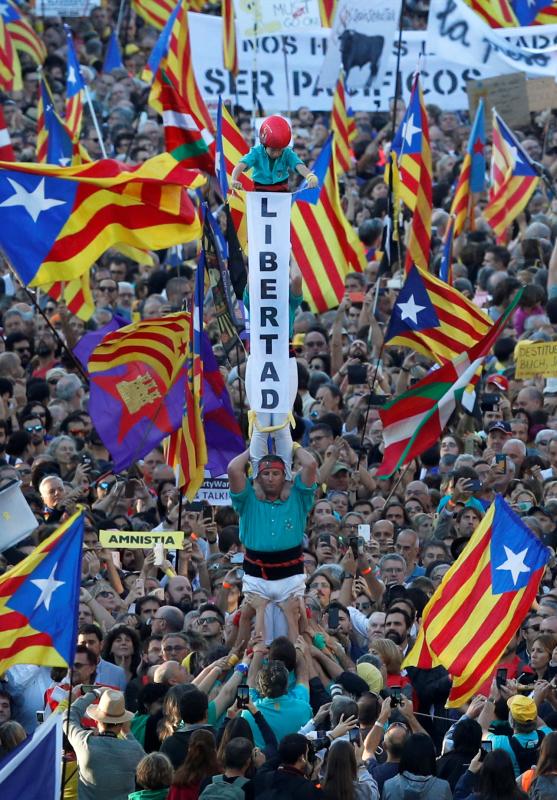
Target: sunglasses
[[34, 428], [208, 620], [107, 288]]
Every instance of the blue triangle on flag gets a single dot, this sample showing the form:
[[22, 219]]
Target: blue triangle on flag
[[413, 309]]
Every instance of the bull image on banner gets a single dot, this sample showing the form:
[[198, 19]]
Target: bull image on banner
[[271, 382], [360, 43]]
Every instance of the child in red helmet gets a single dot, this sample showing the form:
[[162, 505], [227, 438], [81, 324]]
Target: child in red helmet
[[272, 160]]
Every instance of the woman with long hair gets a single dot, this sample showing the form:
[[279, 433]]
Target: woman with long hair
[[201, 762], [494, 778], [122, 646], [541, 781], [344, 777], [417, 773], [171, 716]]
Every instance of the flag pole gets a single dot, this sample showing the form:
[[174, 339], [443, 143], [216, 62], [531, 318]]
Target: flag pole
[[53, 330], [398, 480], [67, 731], [120, 19], [286, 77], [94, 118]]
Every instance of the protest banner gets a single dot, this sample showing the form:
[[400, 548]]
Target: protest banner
[[215, 491], [535, 358], [261, 17], [17, 520], [63, 8], [541, 93], [360, 43], [443, 79], [269, 264], [507, 93], [141, 540], [455, 32]]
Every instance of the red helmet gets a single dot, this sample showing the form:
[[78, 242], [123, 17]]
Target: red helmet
[[275, 132]]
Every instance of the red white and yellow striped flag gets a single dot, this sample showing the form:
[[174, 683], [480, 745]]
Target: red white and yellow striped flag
[[343, 126], [229, 44]]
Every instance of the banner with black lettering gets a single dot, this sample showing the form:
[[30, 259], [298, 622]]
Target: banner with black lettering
[[269, 261]]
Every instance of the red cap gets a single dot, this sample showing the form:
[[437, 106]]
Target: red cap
[[271, 461], [275, 131], [500, 381]]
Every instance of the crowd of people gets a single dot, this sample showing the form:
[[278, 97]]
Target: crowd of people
[[264, 659]]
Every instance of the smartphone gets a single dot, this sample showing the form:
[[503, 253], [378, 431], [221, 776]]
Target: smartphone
[[396, 694], [140, 586], [475, 485], [469, 446], [364, 531], [239, 573], [501, 679], [353, 544], [40, 717], [242, 695], [486, 747], [357, 374], [131, 486], [320, 742], [159, 554], [501, 462], [325, 539], [490, 399], [87, 687], [237, 558], [378, 399], [333, 616], [354, 736], [357, 297]]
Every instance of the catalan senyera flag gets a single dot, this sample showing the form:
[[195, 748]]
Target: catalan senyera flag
[[39, 600], [6, 149], [25, 39], [415, 421], [514, 13], [514, 178], [435, 319], [55, 143], [324, 244], [157, 12], [481, 602], [327, 10], [472, 172], [183, 139], [177, 63], [229, 44], [343, 125], [10, 68], [414, 167], [230, 147], [77, 295], [68, 216], [186, 450], [75, 89], [138, 378]]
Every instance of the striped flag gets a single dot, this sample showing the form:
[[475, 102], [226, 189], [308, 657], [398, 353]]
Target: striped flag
[[75, 89], [186, 451], [84, 210], [481, 602], [472, 172], [446, 268], [433, 318], [176, 61], [23, 36], [415, 421], [514, 13], [231, 146], [513, 178], [327, 10], [324, 244], [6, 149], [343, 125], [157, 12], [411, 145], [77, 295], [39, 600], [229, 46], [54, 139], [10, 69], [183, 139]]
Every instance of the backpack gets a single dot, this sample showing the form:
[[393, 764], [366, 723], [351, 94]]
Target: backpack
[[526, 757], [219, 789]]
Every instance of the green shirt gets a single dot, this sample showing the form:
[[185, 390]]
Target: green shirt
[[271, 170], [273, 526]]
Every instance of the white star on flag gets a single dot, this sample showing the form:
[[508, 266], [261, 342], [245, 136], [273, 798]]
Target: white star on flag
[[409, 131], [71, 75], [4, 10], [47, 587], [514, 563], [410, 310], [33, 202]]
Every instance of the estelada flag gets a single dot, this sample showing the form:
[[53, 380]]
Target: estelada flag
[[481, 602], [39, 601]]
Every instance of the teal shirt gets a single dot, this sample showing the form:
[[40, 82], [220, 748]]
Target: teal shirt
[[503, 743], [271, 170], [285, 714], [273, 526]]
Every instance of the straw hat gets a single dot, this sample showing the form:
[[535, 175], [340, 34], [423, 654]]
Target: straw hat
[[110, 709]]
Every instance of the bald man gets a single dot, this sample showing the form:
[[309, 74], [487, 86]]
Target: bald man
[[171, 673], [168, 619]]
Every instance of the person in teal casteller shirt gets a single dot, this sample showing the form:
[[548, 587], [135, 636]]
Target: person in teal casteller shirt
[[273, 160]]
